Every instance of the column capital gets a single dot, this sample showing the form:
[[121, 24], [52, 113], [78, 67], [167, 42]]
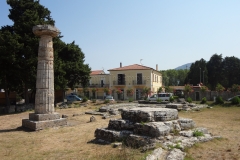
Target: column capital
[[49, 30]]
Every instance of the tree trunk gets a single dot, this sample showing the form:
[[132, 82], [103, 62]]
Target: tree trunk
[[26, 95], [6, 97]]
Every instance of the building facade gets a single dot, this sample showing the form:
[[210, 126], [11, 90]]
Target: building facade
[[120, 81]]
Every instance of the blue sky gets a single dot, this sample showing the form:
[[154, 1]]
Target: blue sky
[[163, 32]]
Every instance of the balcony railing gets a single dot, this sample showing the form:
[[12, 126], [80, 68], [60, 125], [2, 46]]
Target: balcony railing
[[98, 85], [143, 82], [119, 83]]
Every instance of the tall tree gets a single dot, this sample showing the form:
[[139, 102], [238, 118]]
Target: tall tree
[[76, 71], [230, 71], [174, 77], [214, 70], [198, 72], [25, 14], [9, 46]]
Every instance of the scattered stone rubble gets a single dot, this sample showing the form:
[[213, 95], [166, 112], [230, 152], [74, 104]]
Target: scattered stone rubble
[[111, 110], [144, 127]]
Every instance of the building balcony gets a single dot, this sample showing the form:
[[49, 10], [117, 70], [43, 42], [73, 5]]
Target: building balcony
[[98, 86], [118, 83], [136, 83]]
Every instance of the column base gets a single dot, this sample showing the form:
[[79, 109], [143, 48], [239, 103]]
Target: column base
[[43, 121]]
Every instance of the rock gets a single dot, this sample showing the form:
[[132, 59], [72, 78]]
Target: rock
[[181, 100], [186, 123], [175, 106], [146, 114], [92, 119], [104, 109], [137, 141], [148, 147], [111, 135], [176, 154], [156, 154], [151, 129], [64, 116], [120, 124], [115, 145], [203, 130], [113, 111], [186, 133]]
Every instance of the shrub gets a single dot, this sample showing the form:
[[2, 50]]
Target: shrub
[[175, 97], [171, 99], [197, 133], [235, 100], [130, 100], [94, 101], [204, 100], [189, 100], [106, 101], [219, 100], [85, 99]]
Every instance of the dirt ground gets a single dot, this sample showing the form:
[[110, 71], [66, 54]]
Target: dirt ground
[[73, 141]]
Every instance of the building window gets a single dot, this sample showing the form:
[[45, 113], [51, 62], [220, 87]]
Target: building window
[[121, 79]]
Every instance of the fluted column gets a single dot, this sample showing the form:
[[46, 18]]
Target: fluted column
[[44, 100]]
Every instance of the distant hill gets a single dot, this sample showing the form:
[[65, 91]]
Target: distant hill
[[185, 66]]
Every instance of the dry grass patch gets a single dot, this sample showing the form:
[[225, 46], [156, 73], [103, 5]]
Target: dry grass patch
[[221, 121], [72, 142]]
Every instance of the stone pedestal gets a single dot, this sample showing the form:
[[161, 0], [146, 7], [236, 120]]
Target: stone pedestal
[[44, 116]]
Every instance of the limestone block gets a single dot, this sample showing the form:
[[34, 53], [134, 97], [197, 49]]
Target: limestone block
[[146, 114], [186, 133], [104, 109], [39, 125], [111, 135], [136, 141], [176, 154], [43, 117], [175, 106], [151, 129], [113, 111], [186, 123], [203, 130], [120, 124]]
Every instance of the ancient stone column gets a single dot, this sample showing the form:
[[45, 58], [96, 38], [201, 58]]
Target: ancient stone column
[[44, 115], [44, 99]]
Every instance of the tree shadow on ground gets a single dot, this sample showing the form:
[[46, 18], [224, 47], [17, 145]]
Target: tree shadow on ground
[[15, 130]]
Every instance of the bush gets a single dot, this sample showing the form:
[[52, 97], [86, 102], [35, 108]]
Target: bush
[[171, 99], [130, 100], [175, 97], [106, 101], [189, 100], [85, 99], [235, 100], [197, 133], [219, 100], [204, 100], [94, 101]]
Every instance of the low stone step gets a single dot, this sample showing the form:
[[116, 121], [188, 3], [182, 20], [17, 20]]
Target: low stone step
[[111, 135], [151, 129], [146, 114], [175, 106], [137, 141], [120, 124], [186, 123]]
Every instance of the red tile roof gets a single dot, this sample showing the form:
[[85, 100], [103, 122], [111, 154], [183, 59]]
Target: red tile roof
[[131, 67], [96, 72]]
